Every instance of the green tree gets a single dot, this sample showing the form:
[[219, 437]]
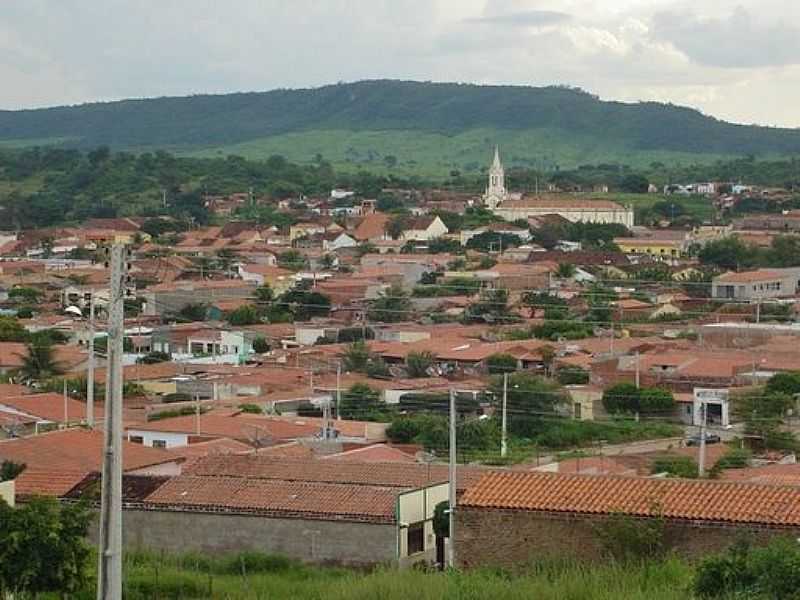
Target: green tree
[[10, 470], [565, 270], [244, 315], [418, 363], [44, 548], [533, 400], [621, 398], [656, 401], [499, 363], [360, 402], [39, 362], [11, 330], [391, 307], [634, 183], [192, 312], [784, 383], [260, 345], [728, 253], [264, 294], [154, 357], [356, 358], [395, 226]]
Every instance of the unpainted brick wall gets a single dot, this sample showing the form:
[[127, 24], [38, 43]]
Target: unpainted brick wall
[[514, 539]]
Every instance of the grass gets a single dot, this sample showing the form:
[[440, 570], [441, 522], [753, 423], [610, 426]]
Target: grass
[[251, 575], [697, 206], [436, 154]]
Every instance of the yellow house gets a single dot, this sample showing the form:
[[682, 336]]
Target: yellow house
[[652, 247]]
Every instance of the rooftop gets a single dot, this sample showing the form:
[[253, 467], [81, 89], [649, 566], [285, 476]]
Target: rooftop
[[670, 498]]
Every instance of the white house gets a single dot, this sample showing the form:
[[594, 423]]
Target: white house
[[423, 229]]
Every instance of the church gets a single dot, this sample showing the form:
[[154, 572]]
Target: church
[[512, 207]]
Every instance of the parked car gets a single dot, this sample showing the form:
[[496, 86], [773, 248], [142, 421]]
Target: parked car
[[711, 438]]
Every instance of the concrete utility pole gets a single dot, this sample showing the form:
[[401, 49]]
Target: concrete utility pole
[[504, 437], [637, 370], [451, 548], [66, 405], [90, 371], [701, 459], [338, 391], [109, 579]]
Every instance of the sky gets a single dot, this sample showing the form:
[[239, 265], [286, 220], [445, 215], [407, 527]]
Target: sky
[[735, 60]]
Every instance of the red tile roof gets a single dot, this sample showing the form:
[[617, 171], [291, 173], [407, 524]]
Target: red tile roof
[[377, 453], [50, 407], [76, 450], [670, 498], [311, 500], [287, 469], [240, 428], [44, 481]]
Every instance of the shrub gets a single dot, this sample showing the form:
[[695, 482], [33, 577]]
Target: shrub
[[260, 345], [772, 571], [627, 539], [675, 466], [501, 363], [418, 363], [621, 398], [254, 409], [572, 376], [152, 358]]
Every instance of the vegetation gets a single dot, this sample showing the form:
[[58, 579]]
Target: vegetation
[[377, 124], [154, 357], [9, 470], [627, 398], [747, 571], [675, 466], [497, 364], [44, 548], [418, 363], [392, 306], [39, 362]]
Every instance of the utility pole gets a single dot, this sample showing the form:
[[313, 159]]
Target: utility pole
[[701, 459], [197, 414], [637, 370], [338, 391], [451, 491], [109, 579], [90, 370], [504, 438], [66, 406]]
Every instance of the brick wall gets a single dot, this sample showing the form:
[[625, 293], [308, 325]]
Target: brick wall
[[339, 542], [513, 539]]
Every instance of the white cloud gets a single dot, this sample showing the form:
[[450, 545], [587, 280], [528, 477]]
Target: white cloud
[[683, 51]]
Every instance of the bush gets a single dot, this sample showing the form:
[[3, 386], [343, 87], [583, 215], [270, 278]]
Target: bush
[[772, 571], [628, 539], [501, 363], [254, 409], [675, 466], [572, 376], [260, 345], [734, 458], [418, 363], [621, 398]]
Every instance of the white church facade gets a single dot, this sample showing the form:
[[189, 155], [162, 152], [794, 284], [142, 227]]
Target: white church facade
[[512, 207]]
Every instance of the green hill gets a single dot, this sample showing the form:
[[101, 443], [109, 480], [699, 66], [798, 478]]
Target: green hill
[[427, 128]]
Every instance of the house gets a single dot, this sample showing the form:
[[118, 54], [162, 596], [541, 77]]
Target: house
[[424, 229], [337, 240], [56, 461], [279, 279], [28, 413], [507, 519], [756, 285], [659, 246], [358, 513], [169, 298], [372, 228]]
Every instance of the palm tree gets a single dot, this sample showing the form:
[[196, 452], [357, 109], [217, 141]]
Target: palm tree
[[39, 363]]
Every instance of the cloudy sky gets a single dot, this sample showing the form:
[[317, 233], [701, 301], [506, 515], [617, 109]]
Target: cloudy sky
[[736, 59]]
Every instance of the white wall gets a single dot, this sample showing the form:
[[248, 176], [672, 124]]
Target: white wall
[[174, 440]]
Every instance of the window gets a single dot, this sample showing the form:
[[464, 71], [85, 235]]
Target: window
[[416, 538], [136, 439], [159, 443]]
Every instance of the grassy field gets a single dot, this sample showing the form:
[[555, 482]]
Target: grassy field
[[697, 206], [251, 576], [435, 155]]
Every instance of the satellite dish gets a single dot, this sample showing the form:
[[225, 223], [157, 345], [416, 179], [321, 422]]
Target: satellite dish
[[74, 310]]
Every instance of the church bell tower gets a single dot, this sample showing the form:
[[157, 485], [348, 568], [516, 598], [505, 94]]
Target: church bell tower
[[496, 190]]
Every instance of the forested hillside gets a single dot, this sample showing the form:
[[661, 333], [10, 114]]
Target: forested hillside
[[410, 126]]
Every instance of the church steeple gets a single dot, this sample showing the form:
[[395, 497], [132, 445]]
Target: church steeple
[[496, 190]]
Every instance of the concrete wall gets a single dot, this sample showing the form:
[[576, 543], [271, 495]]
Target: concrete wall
[[505, 538], [7, 492], [307, 540]]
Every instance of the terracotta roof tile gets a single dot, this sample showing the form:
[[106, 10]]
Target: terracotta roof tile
[[670, 498], [43, 481], [75, 450], [402, 475], [295, 498]]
